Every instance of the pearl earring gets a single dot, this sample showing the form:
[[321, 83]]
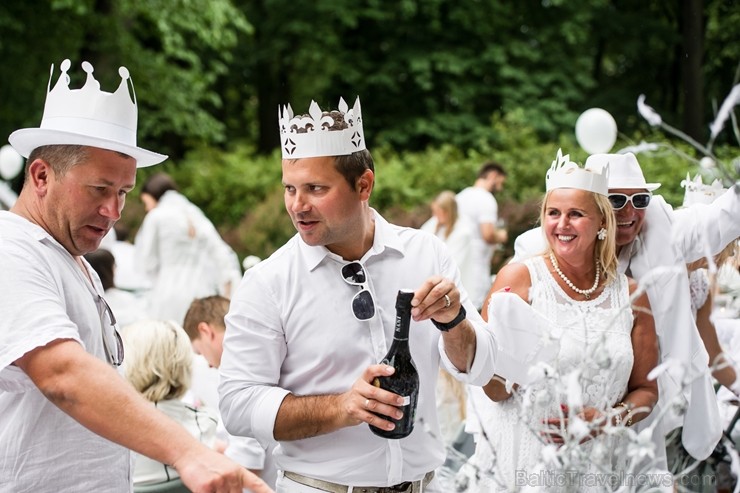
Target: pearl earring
[[601, 234]]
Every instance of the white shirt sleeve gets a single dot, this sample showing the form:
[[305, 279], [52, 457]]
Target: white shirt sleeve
[[246, 452], [249, 396], [702, 229], [482, 369], [528, 244]]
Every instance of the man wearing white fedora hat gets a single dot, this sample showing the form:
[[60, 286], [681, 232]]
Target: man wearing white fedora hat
[[654, 245], [67, 417]]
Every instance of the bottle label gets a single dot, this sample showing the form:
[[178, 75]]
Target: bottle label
[[406, 400]]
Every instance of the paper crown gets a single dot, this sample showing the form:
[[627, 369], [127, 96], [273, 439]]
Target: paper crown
[[336, 133], [697, 192], [564, 173], [87, 116]]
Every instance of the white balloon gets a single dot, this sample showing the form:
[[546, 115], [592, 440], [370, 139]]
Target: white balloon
[[596, 131], [11, 163]]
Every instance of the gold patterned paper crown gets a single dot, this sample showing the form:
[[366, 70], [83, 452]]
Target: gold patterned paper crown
[[87, 116], [697, 192], [336, 133], [564, 173]]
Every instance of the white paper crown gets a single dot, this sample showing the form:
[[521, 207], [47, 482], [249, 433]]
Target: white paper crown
[[564, 173], [87, 116], [313, 135], [697, 192]]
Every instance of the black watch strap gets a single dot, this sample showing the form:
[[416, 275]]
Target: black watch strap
[[444, 327]]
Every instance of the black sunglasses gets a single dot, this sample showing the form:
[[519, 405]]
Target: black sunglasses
[[363, 304], [115, 357], [639, 200]]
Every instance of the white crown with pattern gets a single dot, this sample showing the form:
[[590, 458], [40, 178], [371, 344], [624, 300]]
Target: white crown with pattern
[[87, 116], [697, 192], [564, 173], [314, 135]]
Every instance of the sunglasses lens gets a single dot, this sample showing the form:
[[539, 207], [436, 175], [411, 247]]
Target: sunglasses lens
[[618, 201], [119, 349], [354, 273], [640, 200], [363, 305]]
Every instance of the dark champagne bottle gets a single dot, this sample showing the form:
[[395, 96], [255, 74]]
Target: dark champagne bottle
[[405, 380]]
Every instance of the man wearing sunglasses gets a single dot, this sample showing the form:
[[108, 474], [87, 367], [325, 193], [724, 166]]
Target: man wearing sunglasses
[[307, 327], [654, 244]]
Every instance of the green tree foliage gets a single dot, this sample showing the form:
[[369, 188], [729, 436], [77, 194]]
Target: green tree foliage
[[174, 49], [445, 85]]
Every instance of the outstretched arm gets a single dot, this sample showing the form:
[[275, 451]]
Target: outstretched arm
[[493, 235], [702, 230], [98, 398]]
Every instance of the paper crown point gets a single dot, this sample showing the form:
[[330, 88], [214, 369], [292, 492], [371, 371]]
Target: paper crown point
[[564, 173], [696, 192], [113, 114], [321, 133]]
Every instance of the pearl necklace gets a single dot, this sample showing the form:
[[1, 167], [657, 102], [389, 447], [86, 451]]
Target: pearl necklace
[[586, 292]]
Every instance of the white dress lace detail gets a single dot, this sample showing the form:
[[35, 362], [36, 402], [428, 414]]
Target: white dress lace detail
[[699, 287], [595, 357]]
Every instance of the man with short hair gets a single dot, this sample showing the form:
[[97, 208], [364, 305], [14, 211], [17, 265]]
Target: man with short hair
[[204, 324], [654, 244], [67, 417], [478, 204], [308, 326]]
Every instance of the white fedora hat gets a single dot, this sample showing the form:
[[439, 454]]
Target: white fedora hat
[[624, 171], [89, 117]]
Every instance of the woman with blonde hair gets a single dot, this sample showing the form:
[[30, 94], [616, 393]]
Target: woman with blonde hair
[[158, 363], [455, 230], [565, 414]]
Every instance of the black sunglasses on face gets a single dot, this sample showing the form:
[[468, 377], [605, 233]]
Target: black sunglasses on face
[[639, 200], [363, 304]]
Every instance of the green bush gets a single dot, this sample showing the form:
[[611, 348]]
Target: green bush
[[241, 191]]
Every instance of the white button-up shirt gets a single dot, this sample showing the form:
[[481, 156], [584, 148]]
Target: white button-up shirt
[[290, 329], [44, 296]]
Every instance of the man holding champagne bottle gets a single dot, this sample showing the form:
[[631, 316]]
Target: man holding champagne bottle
[[308, 326]]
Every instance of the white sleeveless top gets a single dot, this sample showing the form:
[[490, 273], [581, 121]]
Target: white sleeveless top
[[595, 358]]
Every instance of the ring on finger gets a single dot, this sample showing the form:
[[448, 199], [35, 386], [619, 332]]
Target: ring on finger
[[448, 301], [367, 403]]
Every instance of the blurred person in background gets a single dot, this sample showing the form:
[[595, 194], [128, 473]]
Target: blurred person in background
[[159, 365], [478, 204], [180, 251], [128, 275], [126, 306], [205, 326]]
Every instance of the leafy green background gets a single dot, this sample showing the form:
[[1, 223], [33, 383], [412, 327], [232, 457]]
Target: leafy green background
[[445, 85]]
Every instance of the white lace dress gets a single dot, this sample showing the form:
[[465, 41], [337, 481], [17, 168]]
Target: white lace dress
[[594, 360], [699, 287]]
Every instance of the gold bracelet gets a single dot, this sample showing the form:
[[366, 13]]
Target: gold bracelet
[[629, 413]]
